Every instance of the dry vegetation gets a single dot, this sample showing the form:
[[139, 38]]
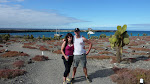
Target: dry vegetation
[[11, 73], [127, 76], [13, 54], [18, 64], [40, 58]]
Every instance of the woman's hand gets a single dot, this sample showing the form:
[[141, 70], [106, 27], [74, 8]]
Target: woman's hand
[[66, 57]]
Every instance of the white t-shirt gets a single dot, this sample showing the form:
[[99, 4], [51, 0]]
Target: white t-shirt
[[79, 46]]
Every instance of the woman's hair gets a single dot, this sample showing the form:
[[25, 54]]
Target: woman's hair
[[66, 38]]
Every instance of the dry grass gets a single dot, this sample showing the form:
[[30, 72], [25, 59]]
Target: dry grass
[[43, 48], [29, 44], [100, 57], [3, 50], [30, 47], [139, 53], [140, 49], [127, 76], [18, 64], [105, 52], [11, 73], [57, 52], [8, 43], [1, 45], [13, 54], [40, 58], [50, 46], [133, 43]]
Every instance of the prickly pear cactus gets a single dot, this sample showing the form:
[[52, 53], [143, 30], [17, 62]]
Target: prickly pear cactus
[[119, 40]]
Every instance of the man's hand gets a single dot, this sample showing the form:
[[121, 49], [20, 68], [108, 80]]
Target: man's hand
[[87, 52]]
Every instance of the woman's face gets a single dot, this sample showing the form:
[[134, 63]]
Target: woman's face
[[69, 38]]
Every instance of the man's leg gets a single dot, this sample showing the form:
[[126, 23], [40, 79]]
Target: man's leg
[[85, 71], [74, 72]]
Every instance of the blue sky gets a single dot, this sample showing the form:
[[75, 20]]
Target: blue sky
[[69, 14]]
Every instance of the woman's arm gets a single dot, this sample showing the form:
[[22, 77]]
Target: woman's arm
[[62, 49]]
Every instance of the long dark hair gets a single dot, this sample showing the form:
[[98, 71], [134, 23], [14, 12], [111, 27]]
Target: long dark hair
[[66, 39]]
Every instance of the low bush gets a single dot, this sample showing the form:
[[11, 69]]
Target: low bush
[[18, 64], [43, 48], [57, 51], [11, 73], [99, 57], [1, 46], [140, 49], [40, 58], [30, 47], [127, 76], [13, 54], [105, 52]]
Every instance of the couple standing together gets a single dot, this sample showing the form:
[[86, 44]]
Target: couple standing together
[[73, 50]]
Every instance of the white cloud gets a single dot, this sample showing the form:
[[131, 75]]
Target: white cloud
[[17, 17], [5, 1]]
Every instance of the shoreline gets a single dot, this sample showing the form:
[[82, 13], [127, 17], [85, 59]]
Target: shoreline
[[46, 30]]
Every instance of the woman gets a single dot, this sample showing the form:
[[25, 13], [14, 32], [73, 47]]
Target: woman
[[67, 49]]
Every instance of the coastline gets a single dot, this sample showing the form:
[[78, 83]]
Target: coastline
[[46, 30]]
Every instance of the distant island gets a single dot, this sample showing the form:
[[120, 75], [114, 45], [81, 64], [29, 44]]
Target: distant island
[[2, 30]]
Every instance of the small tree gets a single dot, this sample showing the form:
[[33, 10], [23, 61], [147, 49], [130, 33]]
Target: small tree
[[138, 34], [119, 40]]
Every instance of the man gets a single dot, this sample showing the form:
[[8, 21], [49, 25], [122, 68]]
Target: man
[[80, 53]]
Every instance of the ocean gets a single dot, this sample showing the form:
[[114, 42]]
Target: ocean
[[51, 34]]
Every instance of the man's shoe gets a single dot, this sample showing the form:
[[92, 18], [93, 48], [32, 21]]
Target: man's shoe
[[72, 79], [88, 79]]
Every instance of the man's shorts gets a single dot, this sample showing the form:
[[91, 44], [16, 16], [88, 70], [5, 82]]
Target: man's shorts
[[79, 58]]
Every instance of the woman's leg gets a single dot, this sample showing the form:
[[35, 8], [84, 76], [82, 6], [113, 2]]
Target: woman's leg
[[67, 69]]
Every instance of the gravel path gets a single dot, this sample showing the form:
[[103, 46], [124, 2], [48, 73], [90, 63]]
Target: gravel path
[[51, 71]]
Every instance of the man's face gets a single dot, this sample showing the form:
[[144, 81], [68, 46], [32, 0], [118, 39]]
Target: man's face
[[77, 33]]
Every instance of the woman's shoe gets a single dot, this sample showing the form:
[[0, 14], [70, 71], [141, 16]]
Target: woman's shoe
[[68, 79], [64, 82]]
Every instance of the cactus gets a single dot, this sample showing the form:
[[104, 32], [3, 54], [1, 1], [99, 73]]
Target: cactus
[[138, 34], [39, 37], [131, 34], [32, 37], [5, 37], [119, 40], [144, 34], [102, 36], [28, 37], [43, 38]]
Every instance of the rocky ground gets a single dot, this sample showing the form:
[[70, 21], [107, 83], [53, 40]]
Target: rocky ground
[[100, 60]]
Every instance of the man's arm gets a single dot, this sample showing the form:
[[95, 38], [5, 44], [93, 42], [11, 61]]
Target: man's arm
[[90, 44]]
